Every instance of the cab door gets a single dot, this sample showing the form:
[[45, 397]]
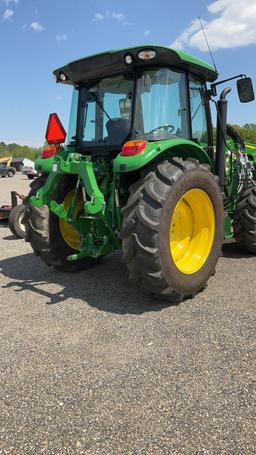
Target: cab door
[[200, 113]]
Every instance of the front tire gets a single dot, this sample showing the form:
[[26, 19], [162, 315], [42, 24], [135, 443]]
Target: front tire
[[45, 232], [173, 216]]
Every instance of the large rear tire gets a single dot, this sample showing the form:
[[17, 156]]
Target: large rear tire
[[244, 223], [51, 239], [173, 229], [235, 136], [245, 220]]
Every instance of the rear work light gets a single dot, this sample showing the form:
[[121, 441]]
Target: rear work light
[[49, 152], [131, 148], [55, 131], [147, 54]]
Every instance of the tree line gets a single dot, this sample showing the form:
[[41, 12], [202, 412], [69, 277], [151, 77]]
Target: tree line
[[247, 132], [16, 150]]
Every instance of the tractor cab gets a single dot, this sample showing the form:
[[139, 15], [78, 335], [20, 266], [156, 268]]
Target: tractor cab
[[148, 93], [152, 105]]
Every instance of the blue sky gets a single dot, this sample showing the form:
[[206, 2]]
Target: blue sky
[[36, 36]]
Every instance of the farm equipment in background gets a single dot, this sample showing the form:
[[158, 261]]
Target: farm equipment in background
[[6, 160], [14, 213], [139, 171], [6, 170]]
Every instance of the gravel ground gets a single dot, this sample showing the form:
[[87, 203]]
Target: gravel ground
[[90, 365]]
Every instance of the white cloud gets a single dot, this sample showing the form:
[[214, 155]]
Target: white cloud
[[184, 37], [7, 2], [37, 27], [234, 25], [119, 17], [8, 14], [146, 32], [62, 37], [99, 17]]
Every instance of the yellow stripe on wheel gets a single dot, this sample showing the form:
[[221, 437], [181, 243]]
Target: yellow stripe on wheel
[[192, 231]]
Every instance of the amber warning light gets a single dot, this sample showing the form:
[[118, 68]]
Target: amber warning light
[[131, 148], [49, 152], [55, 131]]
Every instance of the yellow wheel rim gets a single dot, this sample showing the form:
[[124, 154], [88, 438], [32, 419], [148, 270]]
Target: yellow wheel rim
[[69, 234], [192, 231]]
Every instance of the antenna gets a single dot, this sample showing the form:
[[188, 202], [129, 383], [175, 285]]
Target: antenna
[[208, 45]]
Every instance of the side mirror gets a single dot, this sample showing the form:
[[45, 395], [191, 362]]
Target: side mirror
[[245, 90]]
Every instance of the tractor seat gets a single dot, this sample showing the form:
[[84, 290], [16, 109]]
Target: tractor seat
[[118, 129]]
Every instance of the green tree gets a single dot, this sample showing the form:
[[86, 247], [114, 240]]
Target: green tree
[[16, 150]]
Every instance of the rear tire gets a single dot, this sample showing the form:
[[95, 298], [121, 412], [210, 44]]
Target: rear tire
[[30, 176], [245, 220], [235, 136], [16, 221], [148, 218], [10, 173], [43, 230]]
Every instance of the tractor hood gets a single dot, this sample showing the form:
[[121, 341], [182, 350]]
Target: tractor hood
[[109, 63]]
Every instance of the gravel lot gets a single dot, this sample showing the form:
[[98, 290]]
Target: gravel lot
[[90, 365]]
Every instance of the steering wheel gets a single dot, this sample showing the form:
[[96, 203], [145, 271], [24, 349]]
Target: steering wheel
[[164, 128]]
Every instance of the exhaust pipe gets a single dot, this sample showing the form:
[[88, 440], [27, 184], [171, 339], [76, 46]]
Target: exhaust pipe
[[221, 136]]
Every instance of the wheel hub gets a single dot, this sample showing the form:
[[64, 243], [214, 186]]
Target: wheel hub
[[69, 234], [192, 231]]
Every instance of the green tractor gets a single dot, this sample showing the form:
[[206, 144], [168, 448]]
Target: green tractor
[[139, 171]]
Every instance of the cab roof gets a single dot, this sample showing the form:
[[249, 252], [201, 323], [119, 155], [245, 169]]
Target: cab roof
[[112, 62]]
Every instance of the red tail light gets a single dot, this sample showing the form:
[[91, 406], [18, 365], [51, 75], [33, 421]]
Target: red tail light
[[131, 148], [55, 132], [50, 151]]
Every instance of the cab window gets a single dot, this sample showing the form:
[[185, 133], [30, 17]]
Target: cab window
[[161, 105], [198, 112]]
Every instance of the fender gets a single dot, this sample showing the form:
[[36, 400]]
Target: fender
[[44, 165], [159, 150]]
